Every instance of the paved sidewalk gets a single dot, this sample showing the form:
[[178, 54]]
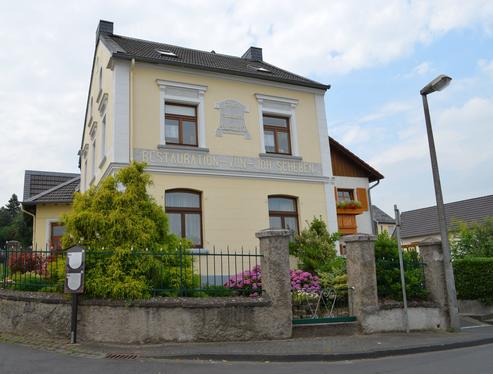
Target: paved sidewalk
[[333, 348], [326, 349]]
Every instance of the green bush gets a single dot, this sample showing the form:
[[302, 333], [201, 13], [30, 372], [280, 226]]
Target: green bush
[[114, 219], [388, 271], [474, 278], [315, 248]]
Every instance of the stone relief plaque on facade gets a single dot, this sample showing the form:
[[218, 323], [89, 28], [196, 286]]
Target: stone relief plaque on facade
[[232, 118], [206, 162]]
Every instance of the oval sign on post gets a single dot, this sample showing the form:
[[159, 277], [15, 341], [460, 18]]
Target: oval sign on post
[[74, 270], [74, 260]]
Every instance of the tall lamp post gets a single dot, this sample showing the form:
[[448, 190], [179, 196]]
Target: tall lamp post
[[438, 84]]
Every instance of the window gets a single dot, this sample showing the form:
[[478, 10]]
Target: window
[[93, 159], [85, 173], [181, 124], [276, 134], [56, 232], [283, 213], [100, 78], [103, 138], [344, 195], [184, 210]]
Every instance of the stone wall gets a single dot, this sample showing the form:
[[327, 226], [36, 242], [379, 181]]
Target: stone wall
[[474, 308], [165, 319], [150, 321], [375, 317], [387, 320]]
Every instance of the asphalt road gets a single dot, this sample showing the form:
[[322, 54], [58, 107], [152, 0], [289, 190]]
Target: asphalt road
[[18, 359]]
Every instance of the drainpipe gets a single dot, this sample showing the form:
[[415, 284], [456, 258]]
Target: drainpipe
[[371, 209], [34, 223]]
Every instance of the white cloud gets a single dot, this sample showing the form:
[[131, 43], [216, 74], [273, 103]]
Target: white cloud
[[486, 66]]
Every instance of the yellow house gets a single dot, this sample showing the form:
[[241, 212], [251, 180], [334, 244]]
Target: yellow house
[[233, 144], [47, 196]]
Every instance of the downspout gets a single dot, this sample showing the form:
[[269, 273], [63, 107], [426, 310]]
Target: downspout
[[34, 223], [131, 111], [371, 209]]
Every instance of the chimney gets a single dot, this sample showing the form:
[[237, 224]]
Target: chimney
[[253, 53], [104, 27]]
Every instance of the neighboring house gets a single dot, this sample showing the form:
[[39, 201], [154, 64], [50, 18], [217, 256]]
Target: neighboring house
[[419, 224], [233, 144], [352, 178], [47, 196], [382, 222]]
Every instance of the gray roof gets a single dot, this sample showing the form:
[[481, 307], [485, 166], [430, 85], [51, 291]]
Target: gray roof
[[46, 186], [146, 51], [423, 222], [380, 216], [36, 181]]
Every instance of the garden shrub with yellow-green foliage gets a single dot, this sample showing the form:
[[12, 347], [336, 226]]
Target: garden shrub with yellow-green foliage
[[130, 249]]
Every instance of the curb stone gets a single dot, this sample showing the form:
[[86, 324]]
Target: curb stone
[[76, 350]]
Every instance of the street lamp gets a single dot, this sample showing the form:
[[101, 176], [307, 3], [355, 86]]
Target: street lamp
[[438, 84]]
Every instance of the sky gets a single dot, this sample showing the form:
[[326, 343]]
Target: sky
[[376, 55]]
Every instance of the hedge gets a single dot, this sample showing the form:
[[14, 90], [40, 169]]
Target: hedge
[[474, 278]]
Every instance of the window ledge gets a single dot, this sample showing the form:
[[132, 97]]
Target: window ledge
[[182, 148], [101, 163], [279, 155]]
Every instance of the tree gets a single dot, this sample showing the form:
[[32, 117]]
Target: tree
[[315, 247], [13, 207], [127, 236], [14, 224], [472, 240]]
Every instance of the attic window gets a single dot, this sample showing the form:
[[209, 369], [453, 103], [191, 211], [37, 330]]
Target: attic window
[[260, 69], [166, 53]]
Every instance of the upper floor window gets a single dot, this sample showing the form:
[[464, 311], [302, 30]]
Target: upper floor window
[[283, 213], [103, 139], [344, 195], [184, 211], [100, 78], [181, 124], [276, 134]]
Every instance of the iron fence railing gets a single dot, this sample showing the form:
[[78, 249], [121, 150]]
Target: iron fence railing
[[326, 304], [180, 272]]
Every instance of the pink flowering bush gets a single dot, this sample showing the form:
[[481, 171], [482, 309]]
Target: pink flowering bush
[[304, 281], [249, 282]]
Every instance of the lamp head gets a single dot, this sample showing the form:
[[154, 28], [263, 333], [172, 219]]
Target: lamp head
[[437, 84]]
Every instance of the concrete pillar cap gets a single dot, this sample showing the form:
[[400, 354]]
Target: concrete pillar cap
[[429, 241], [359, 238], [270, 233]]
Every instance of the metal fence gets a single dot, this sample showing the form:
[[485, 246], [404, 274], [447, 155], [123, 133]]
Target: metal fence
[[326, 305], [169, 273]]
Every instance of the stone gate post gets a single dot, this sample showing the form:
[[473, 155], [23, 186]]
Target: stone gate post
[[430, 250], [361, 273], [276, 283]]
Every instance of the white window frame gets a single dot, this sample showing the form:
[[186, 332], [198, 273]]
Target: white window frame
[[279, 106], [182, 93]]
